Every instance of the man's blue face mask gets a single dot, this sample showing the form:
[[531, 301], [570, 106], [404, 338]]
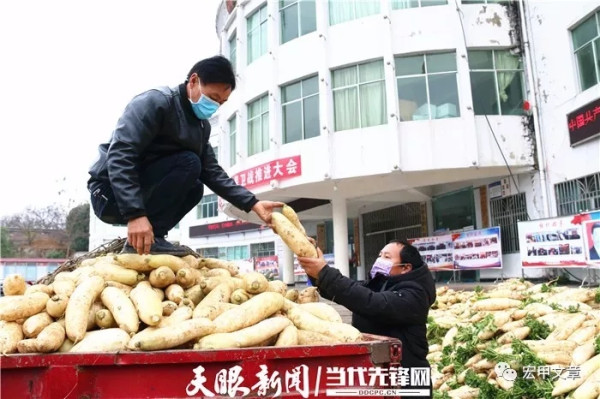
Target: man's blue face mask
[[205, 107]]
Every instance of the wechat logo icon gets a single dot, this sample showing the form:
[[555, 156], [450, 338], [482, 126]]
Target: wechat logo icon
[[503, 370]]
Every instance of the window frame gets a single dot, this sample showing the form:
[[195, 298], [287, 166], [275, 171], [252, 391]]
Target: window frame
[[475, 2], [426, 75], [224, 252], [259, 116], [296, 3], [357, 86], [571, 194], [301, 100], [258, 250], [208, 201], [30, 272], [508, 221], [495, 70], [354, 14], [208, 252], [232, 140], [257, 29], [233, 51], [420, 5], [592, 42]]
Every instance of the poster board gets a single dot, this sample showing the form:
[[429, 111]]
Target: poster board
[[436, 251], [569, 241], [265, 264], [467, 250], [478, 249]]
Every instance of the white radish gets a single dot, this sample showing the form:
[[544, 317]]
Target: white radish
[[78, 308]]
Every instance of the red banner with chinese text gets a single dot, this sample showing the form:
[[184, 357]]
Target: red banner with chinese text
[[279, 169]]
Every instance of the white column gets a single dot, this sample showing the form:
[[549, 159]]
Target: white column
[[466, 105], [340, 234], [326, 109], [391, 92], [287, 266]]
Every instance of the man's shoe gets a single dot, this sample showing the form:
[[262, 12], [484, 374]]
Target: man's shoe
[[160, 247], [128, 249]]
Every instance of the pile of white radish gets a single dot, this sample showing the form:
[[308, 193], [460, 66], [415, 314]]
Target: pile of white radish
[[529, 327], [156, 302]]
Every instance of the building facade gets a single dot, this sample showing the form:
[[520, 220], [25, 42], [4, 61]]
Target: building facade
[[390, 119]]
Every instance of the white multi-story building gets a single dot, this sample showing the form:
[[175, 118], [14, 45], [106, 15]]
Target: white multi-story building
[[399, 118]]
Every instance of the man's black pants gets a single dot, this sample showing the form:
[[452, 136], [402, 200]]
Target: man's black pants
[[171, 187]]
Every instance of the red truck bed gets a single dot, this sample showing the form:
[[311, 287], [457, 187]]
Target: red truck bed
[[291, 372]]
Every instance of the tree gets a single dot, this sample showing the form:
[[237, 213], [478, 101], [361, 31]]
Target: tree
[[78, 228], [56, 254], [30, 221], [7, 249]]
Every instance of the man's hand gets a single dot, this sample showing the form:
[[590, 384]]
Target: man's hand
[[140, 234], [312, 266], [264, 209]]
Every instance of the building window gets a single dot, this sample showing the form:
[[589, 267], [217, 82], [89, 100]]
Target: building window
[[257, 34], [216, 151], [31, 273], [22, 270], [401, 4], [10, 269], [258, 125], [208, 252], [578, 195], [586, 42], [454, 211], [347, 10], [496, 82], [208, 207], [232, 141], [234, 253], [262, 249], [300, 110], [507, 212], [427, 87], [298, 17], [233, 51], [484, 1], [359, 96]]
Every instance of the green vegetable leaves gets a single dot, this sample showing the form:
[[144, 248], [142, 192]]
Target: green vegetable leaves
[[539, 329]]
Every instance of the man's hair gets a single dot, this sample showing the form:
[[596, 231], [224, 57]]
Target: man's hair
[[595, 226], [216, 69], [409, 254]]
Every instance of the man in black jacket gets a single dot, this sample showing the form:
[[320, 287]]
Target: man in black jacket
[[153, 170], [394, 303]]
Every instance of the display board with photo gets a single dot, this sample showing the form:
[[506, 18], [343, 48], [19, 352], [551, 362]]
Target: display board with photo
[[556, 242], [267, 264], [478, 249], [436, 251]]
